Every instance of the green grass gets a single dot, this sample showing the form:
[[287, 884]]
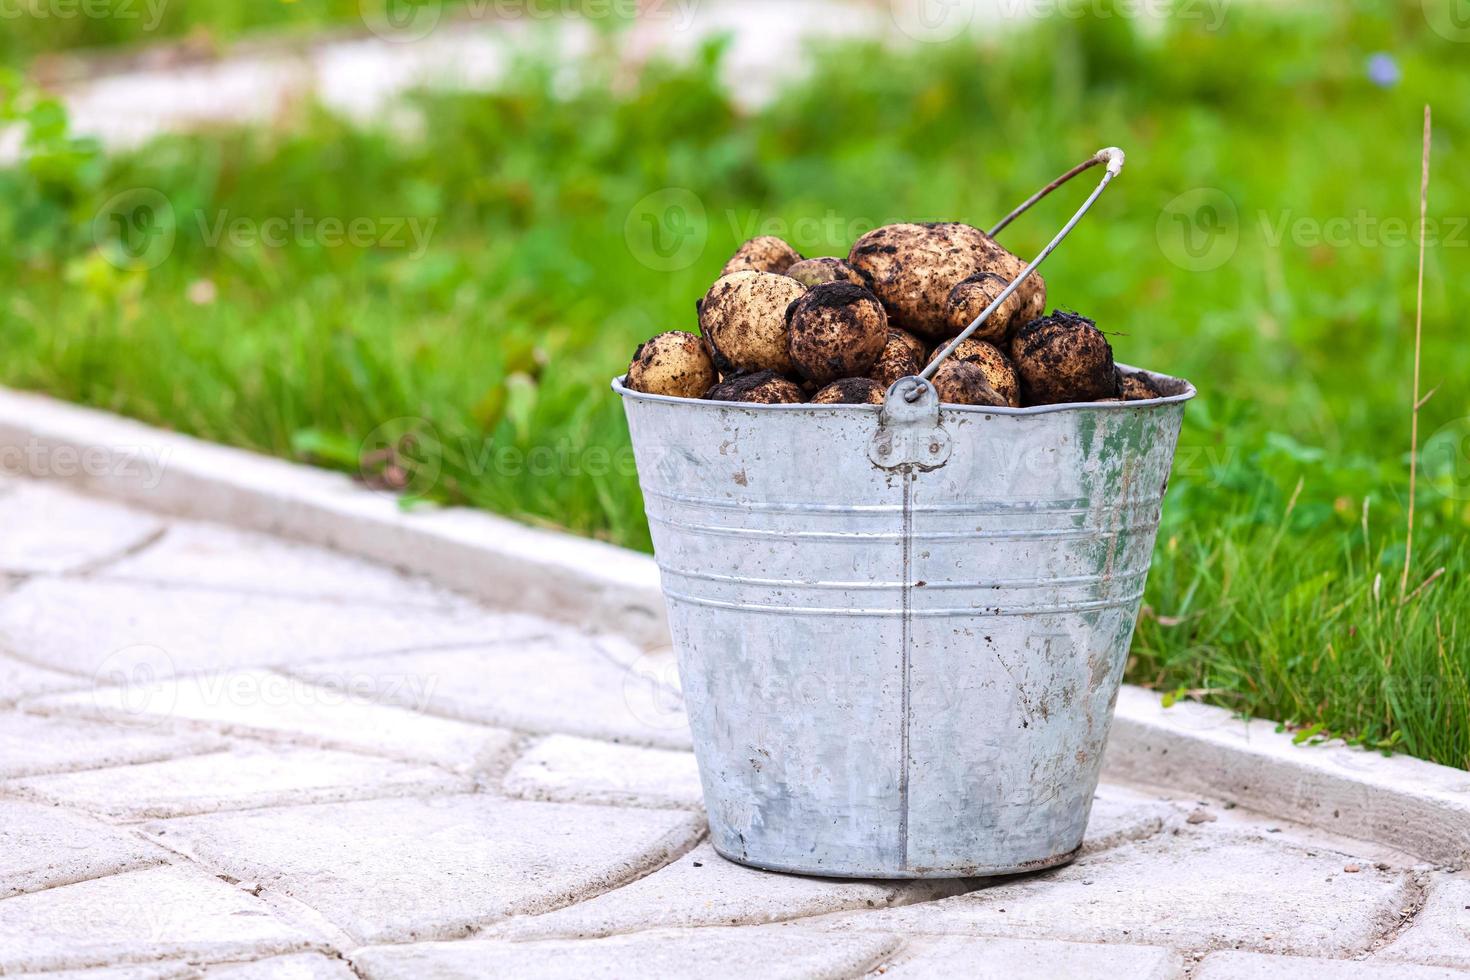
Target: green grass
[[31, 30], [1272, 593], [35, 27]]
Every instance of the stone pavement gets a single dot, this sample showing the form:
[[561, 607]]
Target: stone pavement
[[229, 756]]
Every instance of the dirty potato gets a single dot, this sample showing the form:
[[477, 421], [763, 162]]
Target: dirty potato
[[1032, 292], [850, 391], [973, 296], [762, 387], [902, 356], [812, 272], [920, 349], [1063, 358], [764, 254], [837, 331], [1136, 388], [673, 363], [744, 317], [912, 268], [964, 383], [999, 371]]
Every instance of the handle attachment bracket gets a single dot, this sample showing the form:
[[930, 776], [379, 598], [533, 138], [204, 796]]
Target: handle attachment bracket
[[909, 433]]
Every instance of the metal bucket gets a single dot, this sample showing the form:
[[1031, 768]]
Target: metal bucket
[[901, 630]]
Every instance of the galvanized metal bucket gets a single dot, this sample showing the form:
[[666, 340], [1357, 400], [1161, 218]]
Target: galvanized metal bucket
[[901, 667], [901, 630]]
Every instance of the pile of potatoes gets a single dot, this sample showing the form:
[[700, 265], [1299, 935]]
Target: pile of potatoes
[[779, 328]]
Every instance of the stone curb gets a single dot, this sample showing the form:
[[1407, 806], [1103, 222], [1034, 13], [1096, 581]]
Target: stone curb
[[1414, 806], [1408, 804], [556, 575]]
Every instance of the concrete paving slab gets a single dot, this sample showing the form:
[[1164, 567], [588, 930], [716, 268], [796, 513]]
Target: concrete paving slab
[[267, 704], [1257, 966], [161, 913], [565, 768], [203, 555], [703, 889], [31, 744], [1190, 890], [711, 954], [42, 847], [20, 680], [245, 777], [401, 870], [1029, 959], [555, 686], [49, 529], [89, 627], [1440, 932]]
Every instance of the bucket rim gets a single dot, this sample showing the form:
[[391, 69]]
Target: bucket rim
[[1186, 393]]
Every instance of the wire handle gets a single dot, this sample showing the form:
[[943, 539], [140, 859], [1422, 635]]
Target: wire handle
[[1114, 159]]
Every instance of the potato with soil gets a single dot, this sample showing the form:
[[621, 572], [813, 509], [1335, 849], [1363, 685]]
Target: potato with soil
[[964, 383], [912, 268], [1032, 292], [764, 254], [744, 317], [920, 349], [1137, 388], [673, 363], [1063, 358], [999, 371], [813, 272], [902, 357], [837, 331], [973, 296], [762, 388], [850, 391]]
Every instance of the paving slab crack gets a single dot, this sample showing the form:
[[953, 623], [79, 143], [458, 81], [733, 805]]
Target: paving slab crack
[[1416, 891], [635, 875], [9, 651], [141, 863], [896, 948], [262, 736], [294, 911], [69, 768], [88, 569]]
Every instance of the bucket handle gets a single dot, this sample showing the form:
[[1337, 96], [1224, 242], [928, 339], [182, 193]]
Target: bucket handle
[[1113, 158]]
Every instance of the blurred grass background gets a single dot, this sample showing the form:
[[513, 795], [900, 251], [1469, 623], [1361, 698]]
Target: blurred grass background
[[1275, 587]]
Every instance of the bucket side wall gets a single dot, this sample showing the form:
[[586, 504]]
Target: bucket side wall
[[900, 674], [1032, 546]]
